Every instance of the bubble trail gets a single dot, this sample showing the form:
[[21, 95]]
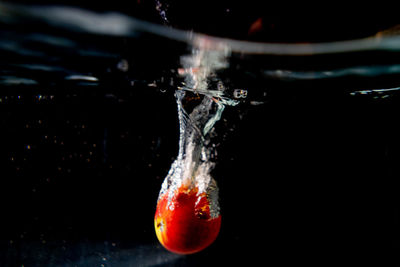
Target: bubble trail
[[187, 217]]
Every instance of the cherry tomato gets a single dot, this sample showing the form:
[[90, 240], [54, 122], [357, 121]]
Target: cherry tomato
[[184, 224]]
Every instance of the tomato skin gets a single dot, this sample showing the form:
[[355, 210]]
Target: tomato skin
[[187, 227]]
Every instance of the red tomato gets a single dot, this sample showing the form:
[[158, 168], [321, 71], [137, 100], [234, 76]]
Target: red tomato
[[185, 225]]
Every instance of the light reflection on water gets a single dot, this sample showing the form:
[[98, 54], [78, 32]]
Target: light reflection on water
[[72, 21], [89, 253]]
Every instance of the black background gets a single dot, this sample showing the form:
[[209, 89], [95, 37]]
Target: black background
[[308, 177]]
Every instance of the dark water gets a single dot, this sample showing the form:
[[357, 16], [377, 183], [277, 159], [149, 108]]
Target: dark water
[[306, 162]]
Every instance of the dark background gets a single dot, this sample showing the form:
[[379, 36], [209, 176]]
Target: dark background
[[307, 177]]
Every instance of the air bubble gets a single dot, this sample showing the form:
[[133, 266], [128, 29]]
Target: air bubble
[[240, 93], [123, 65]]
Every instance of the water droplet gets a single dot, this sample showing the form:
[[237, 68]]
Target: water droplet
[[123, 65], [153, 84], [256, 103], [240, 93], [220, 86]]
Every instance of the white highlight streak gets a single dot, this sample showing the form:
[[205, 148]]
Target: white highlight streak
[[122, 25]]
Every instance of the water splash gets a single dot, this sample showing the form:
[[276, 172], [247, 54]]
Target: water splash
[[377, 93], [192, 166], [188, 200]]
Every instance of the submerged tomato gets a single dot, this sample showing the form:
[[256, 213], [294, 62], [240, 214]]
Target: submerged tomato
[[185, 225]]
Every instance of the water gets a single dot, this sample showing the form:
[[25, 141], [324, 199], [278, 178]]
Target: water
[[90, 128], [189, 179]]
